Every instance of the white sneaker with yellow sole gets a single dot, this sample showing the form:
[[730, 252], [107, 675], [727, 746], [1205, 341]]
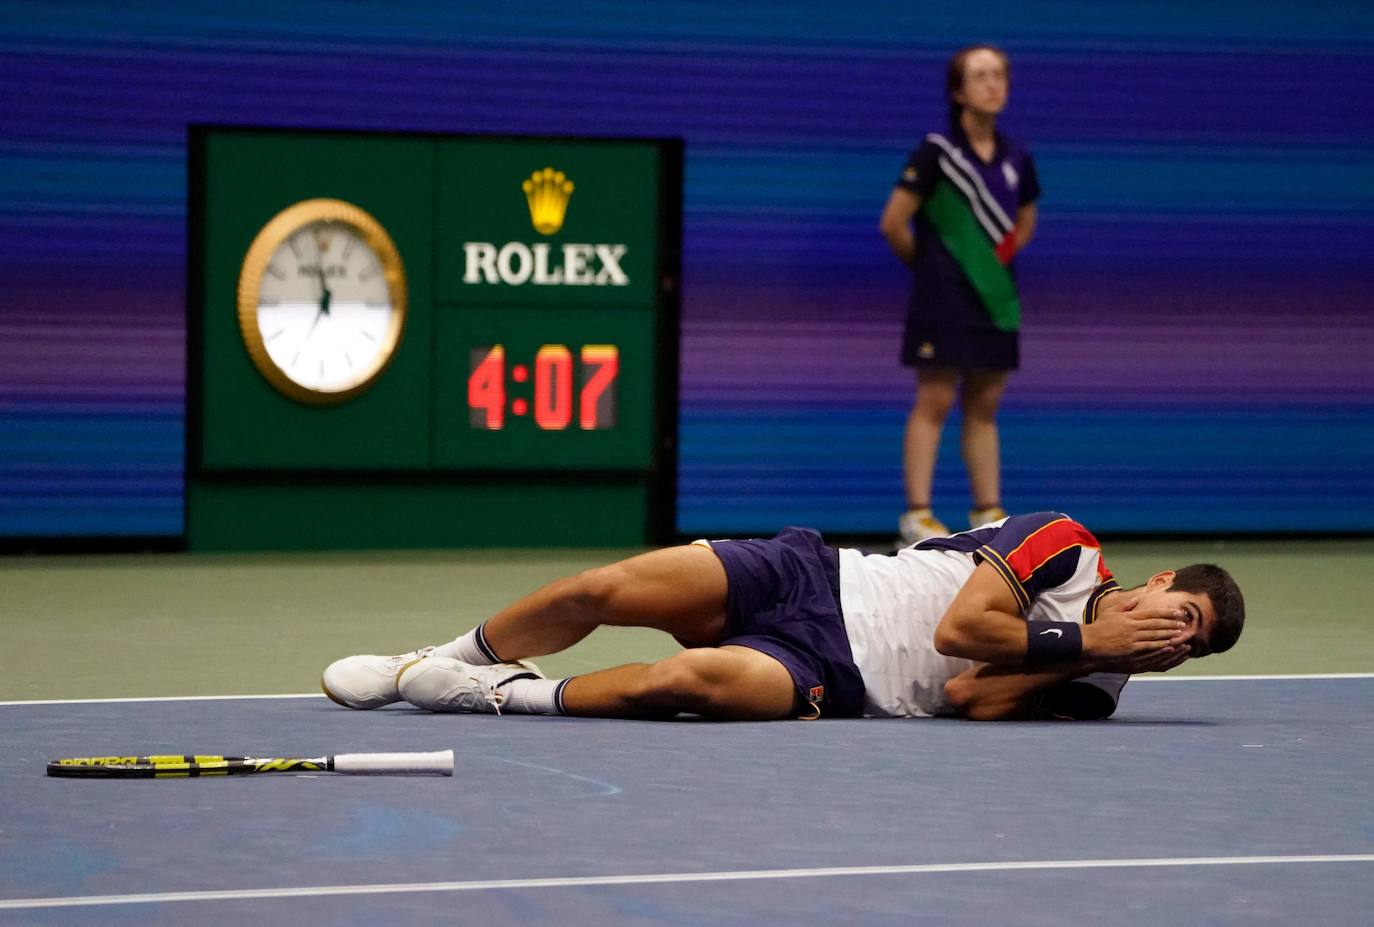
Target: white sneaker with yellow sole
[[368, 680], [919, 525], [979, 517], [442, 684]]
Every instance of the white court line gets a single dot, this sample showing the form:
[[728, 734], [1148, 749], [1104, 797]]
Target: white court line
[[220, 698], [667, 878], [154, 698], [1160, 677]]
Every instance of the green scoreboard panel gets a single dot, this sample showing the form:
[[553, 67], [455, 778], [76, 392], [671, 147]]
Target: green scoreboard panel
[[422, 340]]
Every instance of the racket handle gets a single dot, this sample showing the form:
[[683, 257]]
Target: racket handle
[[438, 763]]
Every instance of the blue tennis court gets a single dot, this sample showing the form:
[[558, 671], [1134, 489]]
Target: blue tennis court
[[1205, 800]]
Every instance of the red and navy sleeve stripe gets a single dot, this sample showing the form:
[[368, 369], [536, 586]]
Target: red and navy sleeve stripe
[[1037, 552]]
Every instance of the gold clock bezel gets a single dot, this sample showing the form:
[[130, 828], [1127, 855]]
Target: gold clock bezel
[[281, 227]]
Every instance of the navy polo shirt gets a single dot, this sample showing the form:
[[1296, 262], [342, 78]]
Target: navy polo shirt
[[941, 294]]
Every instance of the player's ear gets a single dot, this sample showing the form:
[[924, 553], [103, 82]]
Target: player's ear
[[1162, 580]]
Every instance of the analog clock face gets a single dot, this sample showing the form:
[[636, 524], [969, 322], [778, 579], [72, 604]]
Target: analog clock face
[[322, 301]]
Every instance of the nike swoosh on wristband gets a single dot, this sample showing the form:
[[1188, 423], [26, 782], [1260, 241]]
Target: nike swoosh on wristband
[[1055, 631]]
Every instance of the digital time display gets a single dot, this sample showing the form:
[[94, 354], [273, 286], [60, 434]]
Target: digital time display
[[560, 388], [545, 388]]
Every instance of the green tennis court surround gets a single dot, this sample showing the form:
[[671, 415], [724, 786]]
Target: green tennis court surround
[[419, 340]]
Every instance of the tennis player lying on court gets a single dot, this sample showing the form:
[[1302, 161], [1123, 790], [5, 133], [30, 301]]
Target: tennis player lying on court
[[1019, 618]]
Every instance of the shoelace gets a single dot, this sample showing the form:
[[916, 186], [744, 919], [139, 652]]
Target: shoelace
[[494, 694], [401, 659]]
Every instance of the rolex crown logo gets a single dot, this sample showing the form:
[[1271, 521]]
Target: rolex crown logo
[[547, 192]]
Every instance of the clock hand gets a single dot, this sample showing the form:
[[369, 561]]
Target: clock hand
[[325, 295], [316, 320]]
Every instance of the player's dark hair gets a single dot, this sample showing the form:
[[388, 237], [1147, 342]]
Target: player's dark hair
[[954, 76], [1219, 586]]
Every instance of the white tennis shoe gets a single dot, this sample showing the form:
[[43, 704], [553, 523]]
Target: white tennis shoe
[[979, 517], [919, 525], [441, 684], [368, 680]]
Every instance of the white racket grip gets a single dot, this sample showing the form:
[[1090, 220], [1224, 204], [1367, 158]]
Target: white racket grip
[[438, 763]]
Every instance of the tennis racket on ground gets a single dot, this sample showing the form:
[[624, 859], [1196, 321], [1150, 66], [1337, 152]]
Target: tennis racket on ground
[[439, 763]]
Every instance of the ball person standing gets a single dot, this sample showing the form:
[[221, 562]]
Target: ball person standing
[[970, 194]]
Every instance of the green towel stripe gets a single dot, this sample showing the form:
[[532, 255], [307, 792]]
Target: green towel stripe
[[959, 232]]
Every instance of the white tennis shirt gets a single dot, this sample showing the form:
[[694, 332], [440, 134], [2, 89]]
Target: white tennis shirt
[[892, 603]]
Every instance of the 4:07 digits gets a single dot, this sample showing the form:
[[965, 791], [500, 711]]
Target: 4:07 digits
[[554, 374]]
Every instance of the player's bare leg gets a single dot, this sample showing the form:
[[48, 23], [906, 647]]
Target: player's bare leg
[[680, 590], [980, 399], [727, 683]]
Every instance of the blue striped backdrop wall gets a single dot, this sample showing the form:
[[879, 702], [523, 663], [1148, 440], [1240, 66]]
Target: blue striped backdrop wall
[[1198, 344]]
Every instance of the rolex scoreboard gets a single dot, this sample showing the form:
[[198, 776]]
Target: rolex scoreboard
[[430, 340]]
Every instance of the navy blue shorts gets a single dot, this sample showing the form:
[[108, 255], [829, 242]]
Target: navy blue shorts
[[783, 599]]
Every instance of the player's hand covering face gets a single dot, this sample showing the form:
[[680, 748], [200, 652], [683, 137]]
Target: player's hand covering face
[[1153, 628]]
